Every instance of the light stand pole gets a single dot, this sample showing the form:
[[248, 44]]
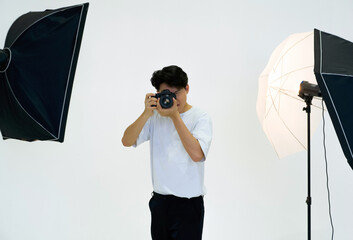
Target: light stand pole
[[307, 92], [308, 100]]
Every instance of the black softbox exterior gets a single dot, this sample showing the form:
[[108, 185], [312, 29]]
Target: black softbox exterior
[[334, 74], [42, 50]]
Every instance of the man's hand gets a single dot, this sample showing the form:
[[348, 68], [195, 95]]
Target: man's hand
[[150, 104], [133, 131], [168, 112]]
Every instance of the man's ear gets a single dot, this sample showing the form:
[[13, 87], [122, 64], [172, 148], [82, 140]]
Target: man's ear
[[187, 88]]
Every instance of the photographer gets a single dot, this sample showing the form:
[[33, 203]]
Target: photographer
[[180, 136]]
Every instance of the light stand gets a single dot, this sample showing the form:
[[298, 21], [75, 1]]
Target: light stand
[[307, 92], [308, 199]]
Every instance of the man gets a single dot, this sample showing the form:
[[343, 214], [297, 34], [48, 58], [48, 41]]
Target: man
[[180, 137]]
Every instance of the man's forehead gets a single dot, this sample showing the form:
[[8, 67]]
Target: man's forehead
[[165, 86]]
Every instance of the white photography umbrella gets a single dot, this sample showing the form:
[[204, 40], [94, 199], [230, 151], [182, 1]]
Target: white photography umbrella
[[279, 108]]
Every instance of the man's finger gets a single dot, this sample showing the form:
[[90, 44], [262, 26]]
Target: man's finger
[[149, 95]]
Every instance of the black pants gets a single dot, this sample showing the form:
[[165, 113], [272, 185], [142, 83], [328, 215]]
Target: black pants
[[175, 218]]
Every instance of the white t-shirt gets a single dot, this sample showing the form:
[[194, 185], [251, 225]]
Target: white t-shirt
[[173, 171]]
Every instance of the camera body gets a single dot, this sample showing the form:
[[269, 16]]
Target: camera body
[[165, 98]]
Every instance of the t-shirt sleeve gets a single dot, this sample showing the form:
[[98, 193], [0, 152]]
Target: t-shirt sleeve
[[203, 133], [144, 134]]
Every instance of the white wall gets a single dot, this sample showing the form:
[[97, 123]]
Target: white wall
[[91, 187]]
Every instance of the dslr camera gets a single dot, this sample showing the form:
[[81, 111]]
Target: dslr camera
[[165, 98]]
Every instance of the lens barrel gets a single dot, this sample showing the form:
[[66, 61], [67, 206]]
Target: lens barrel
[[166, 98]]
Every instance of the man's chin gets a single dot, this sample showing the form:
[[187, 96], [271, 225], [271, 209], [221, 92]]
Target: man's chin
[[181, 109]]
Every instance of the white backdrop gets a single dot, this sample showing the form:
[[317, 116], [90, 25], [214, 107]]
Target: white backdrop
[[91, 187]]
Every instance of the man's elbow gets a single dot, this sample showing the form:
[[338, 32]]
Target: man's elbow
[[126, 143], [197, 157]]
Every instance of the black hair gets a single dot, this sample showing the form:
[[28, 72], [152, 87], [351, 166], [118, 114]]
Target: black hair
[[173, 75]]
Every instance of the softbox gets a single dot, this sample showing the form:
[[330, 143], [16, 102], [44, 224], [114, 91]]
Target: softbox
[[37, 69], [334, 74]]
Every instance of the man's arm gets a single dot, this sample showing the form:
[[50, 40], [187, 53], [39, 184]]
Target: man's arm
[[133, 131], [190, 143]]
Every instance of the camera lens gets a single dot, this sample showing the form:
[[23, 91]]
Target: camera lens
[[166, 98], [166, 101]]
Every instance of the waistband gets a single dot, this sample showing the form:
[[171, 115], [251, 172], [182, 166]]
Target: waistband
[[171, 197]]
